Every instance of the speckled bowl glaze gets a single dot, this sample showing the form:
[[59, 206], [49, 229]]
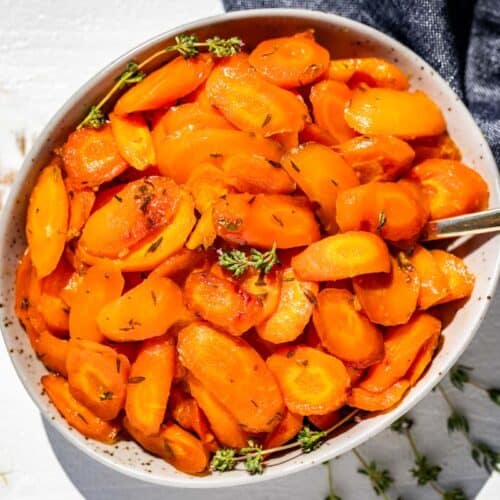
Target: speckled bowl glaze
[[344, 38]]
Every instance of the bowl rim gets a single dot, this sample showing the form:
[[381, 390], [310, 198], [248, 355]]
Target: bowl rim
[[218, 480]]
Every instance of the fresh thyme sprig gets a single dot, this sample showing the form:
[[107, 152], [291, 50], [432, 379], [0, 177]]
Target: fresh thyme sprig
[[223, 460], [331, 491], [460, 376], [254, 461], [424, 471], [309, 440], [238, 262], [187, 45], [380, 479]]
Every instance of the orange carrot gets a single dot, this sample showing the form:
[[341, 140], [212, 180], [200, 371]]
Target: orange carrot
[[324, 422], [424, 357], [52, 351], [313, 133], [285, 431], [80, 206], [179, 263], [438, 146], [378, 401]]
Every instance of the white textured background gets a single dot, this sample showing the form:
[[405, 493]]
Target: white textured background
[[47, 50]]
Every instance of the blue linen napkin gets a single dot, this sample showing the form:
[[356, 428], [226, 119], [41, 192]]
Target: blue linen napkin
[[459, 38]]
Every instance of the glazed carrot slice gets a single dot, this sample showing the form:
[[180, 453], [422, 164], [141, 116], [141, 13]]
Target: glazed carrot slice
[[235, 373], [91, 157], [355, 374], [344, 331], [97, 377], [321, 174], [133, 140], [149, 383], [222, 423], [459, 280], [99, 286], [377, 158], [140, 313], [203, 235], [312, 133], [80, 206], [221, 302], [288, 140], [285, 431], [47, 220], [206, 184], [175, 445], [251, 103], [424, 357], [179, 263], [402, 344], [324, 422], [312, 382], [296, 303], [394, 112], [342, 256], [372, 71], [389, 299], [378, 401], [53, 352], [253, 174], [451, 188], [433, 283], [328, 99], [178, 155], [438, 146], [164, 86], [265, 219], [291, 61], [137, 210], [76, 414], [389, 209]]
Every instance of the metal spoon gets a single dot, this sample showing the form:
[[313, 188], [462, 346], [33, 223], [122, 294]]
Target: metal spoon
[[487, 221]]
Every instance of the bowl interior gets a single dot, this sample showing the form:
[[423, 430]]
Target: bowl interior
[[344, 38]]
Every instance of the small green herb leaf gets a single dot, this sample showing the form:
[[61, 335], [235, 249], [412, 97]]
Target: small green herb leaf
[[309, 440], [223, 460], [459, 376]]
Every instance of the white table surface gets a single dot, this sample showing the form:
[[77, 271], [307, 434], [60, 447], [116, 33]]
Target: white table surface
[[47, 49]]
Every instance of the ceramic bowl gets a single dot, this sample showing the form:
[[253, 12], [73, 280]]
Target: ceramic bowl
[[344, 38]]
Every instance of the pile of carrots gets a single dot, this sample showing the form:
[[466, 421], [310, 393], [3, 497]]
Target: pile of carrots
[[331, 167]]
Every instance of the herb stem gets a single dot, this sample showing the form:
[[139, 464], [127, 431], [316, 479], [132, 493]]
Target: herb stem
[[330, 479], [366, 466], [446, 398]]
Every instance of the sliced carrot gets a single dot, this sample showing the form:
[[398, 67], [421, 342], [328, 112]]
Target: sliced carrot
[[377, 158], [312, 382], [291, 61], [47, 220], [424, 357], [139, 314], [394, 112], [438, 146], [204, 234], [179, 263], [328, 99], [265, 219], [133, 140], [355, 374], [76, 414], [402, 344], [389, 209], [99, 286], [149, 383], [251, 103], [372, 71], [97, 377], [389, 299], [53, 352], [450, 187], [253, 174], [178, 155], [296, 303], [324, 422], [91, 157], [137, 210], [288, 140], [313, 133], [164, 86], [344, 331], [433, 283], [342, 256], [206, 184], [459, 280], [80, 207], [321, 174], [285, 431], [235, 373], [222, 423], [221, 302], [378, 401], [175, 445]]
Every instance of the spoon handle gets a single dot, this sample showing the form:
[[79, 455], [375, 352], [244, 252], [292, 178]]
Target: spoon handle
[[487, 221]]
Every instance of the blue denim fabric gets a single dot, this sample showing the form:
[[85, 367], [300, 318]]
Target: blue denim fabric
[[459, 38]]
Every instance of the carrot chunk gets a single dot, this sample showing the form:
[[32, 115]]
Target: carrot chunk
[[76, 414], [423, 359], [53, 352], [165, 85], [378, 401], [324, 422], [437, 146], [342, 256], [291, 61], [312, 382], [285, 431], [179, 263], [149, 383], [80, 207], [235, 373], [141, 313], [344, 331]]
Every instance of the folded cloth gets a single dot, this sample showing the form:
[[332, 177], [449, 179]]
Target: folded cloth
[[459, 38]]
